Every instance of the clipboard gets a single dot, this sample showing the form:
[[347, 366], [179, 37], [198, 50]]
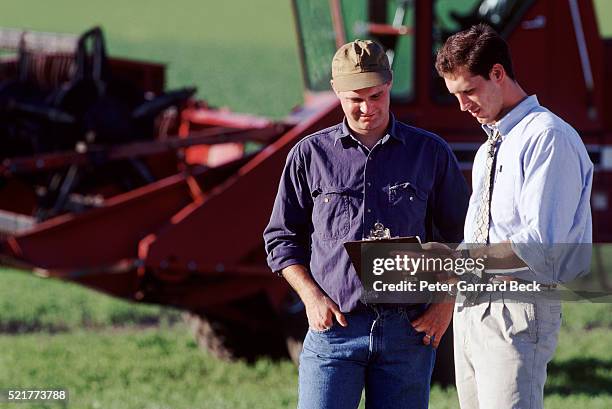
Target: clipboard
[[353, 248]]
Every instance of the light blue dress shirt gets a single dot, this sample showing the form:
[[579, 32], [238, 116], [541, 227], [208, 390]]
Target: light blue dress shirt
[[541, 193]]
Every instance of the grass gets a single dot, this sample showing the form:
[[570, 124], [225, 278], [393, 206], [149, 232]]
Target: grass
[[162, 368], [30, 304], [603, 10], [241, 54], [117, 363], [152, 368]]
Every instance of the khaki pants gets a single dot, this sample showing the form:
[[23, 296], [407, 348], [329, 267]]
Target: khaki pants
[[502, 346]]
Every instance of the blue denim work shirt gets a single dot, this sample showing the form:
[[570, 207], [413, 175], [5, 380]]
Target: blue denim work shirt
[[334, 189]]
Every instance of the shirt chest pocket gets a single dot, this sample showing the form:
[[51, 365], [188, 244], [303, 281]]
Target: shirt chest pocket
[[503, 207], [407, 198], [405, 194], [330, 213]]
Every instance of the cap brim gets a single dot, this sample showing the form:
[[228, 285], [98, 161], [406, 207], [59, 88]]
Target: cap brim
[[360, 80]]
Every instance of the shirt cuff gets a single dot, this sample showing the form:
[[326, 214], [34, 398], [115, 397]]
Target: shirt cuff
[[532, 253], [283, 257]]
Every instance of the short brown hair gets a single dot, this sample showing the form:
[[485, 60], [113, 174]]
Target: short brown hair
[[478, 49]]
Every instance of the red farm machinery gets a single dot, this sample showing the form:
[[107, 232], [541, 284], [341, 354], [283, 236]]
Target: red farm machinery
[[109, 181]]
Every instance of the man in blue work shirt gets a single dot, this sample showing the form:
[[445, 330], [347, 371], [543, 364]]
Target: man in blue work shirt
[[531, 190], [337, 183]]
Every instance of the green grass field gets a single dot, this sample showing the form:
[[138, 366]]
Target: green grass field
[[240, 54], [113, 354]]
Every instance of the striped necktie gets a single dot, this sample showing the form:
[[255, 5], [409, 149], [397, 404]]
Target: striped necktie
[[483, 214]]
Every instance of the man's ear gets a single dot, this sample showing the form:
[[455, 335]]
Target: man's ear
[[497, 73]]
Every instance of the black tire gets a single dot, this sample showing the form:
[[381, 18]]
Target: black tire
[[215, 337], [259, 333]]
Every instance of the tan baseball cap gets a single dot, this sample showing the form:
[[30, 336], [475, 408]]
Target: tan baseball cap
[[360, 64]]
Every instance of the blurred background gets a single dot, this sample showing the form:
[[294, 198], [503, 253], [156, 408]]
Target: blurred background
[[112, 353]]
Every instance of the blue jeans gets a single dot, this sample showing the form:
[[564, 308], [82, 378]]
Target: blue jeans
[[378, 350]]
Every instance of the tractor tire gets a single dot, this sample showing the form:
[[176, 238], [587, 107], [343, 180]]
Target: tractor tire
[[230, 341], [215, 337], [254, 331]]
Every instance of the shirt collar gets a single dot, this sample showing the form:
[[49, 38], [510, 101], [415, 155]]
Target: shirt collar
[[512, 118], [345, 132]]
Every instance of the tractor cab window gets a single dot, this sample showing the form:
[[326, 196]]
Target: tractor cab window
[[320, 23], [451, 16]]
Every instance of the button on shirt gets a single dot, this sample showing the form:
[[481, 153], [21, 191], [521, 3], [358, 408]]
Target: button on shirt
[[541, 191], [334, 189]]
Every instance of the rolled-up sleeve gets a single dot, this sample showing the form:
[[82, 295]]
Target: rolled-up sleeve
[[288, 233]]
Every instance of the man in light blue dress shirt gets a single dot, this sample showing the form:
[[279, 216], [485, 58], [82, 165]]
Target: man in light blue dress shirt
[[531, 190]]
